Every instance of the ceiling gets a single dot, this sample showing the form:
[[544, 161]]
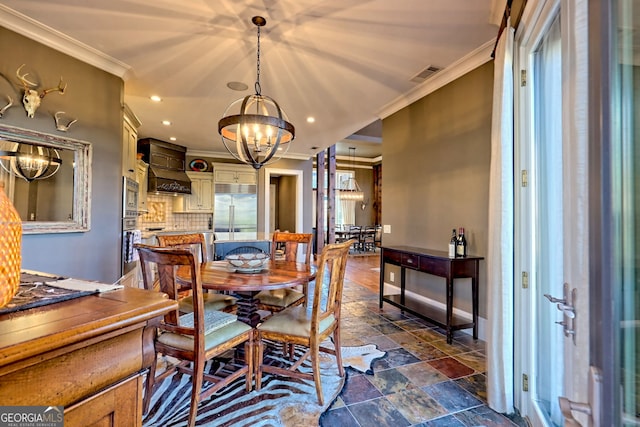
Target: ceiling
[[342, 62]]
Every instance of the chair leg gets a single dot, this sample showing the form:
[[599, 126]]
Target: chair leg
[[148, 388], [259, 360], [196, 382], [249, 360], [317, 378], [338, 347]]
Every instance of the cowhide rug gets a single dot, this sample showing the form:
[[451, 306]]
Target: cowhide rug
[[282, 401]]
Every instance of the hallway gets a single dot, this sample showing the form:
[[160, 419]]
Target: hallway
[[422, 381]]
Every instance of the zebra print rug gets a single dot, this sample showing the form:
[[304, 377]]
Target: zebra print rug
[[282, 401]]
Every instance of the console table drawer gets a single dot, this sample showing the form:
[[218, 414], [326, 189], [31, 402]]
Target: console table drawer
[[393, 256], [433, 266], [411, 261]]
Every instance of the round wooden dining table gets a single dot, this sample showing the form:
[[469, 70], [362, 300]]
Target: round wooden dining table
[[219, 276]]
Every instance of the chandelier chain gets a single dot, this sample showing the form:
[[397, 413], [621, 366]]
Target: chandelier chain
[[258, 88]]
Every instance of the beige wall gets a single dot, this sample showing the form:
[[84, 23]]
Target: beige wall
[[436, 176], [94, 97]]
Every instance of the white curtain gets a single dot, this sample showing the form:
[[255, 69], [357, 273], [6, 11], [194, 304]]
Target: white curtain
[[500, 251], [348, 211]]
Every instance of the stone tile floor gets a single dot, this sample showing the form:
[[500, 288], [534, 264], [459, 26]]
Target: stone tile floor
[[422, 381]]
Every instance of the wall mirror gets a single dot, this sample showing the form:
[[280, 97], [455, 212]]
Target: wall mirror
[[58, 202]]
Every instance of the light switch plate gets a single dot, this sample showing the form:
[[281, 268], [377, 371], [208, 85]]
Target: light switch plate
[[386, 228]]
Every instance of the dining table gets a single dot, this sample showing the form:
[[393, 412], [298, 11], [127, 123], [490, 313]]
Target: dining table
[[277, 274]]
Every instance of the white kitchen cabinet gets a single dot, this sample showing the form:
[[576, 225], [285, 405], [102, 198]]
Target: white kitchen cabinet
[[201, 198], [232, 174], [130, 127], [142, 172]]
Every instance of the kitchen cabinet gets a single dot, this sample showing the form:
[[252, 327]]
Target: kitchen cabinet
[[130, 126], [232, 174], [201, 198], [142, 171]]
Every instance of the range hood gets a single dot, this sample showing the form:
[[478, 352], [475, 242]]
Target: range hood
[[166, 166], [168, 181]]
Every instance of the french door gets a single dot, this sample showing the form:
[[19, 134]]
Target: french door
[[615, 206], [551, 216]]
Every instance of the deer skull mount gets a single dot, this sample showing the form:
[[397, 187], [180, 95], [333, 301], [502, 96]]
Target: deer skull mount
[[31, 98]]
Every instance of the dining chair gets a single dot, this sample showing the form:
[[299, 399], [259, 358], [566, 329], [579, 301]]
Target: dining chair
[[355, 234], [212, 300], [287, 247], [309, 327], [368, 236], [196, 337]]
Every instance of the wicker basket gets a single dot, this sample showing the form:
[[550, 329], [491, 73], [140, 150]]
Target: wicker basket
[[10, 241]]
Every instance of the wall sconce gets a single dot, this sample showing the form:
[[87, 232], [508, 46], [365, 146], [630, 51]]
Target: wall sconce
[[30, 162]]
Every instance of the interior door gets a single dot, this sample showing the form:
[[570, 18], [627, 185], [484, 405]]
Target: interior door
[[551, 249]]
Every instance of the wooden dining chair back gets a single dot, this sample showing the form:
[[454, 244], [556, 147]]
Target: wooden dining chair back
[[310, 327], [287, 246], [292, 245], [184, 240], [196, 337], [192, 241]]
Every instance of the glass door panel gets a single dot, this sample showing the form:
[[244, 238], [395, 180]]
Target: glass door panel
[[626, 208], [548, 245]]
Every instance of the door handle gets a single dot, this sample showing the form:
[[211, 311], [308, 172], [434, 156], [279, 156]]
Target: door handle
[[592, 409], [567, 305], [567, 407]]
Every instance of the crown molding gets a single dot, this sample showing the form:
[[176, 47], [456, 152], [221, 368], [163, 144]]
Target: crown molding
[[456, 70], [225, 155], [30, 28]]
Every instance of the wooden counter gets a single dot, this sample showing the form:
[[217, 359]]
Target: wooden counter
[[87, 354]]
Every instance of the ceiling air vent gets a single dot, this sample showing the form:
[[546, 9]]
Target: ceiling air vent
[[425, 74]]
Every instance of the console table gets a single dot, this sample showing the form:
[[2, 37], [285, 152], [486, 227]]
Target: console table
[[439, 264]]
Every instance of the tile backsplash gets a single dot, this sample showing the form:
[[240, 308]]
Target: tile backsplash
[[161, 215]]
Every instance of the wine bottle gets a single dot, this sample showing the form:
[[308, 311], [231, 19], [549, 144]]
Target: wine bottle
[[461, 244], [452, 244]]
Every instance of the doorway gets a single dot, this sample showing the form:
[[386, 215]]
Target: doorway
[[291, 181]]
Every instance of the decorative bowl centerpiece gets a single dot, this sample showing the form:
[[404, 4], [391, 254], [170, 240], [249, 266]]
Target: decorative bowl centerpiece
[[248, 263]]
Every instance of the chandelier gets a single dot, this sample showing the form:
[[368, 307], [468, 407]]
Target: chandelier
[[349, 188], [254, 129], [30, 162]]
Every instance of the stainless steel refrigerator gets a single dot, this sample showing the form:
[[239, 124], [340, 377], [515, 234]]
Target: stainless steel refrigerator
[[235, 211]]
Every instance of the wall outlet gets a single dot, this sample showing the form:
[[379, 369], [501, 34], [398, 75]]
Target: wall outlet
[[386, 228], [392, 276]]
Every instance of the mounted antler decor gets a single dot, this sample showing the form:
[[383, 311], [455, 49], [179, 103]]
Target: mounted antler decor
[[31, 98], [60, 125], [6, 107]]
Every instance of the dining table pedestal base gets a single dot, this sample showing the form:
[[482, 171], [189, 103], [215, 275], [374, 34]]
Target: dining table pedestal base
[[248, 308]]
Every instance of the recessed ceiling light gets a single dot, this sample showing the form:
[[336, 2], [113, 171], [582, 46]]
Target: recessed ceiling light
[[311, 119], [166, 122], [155, 98], [239, 86], [172, 138]]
